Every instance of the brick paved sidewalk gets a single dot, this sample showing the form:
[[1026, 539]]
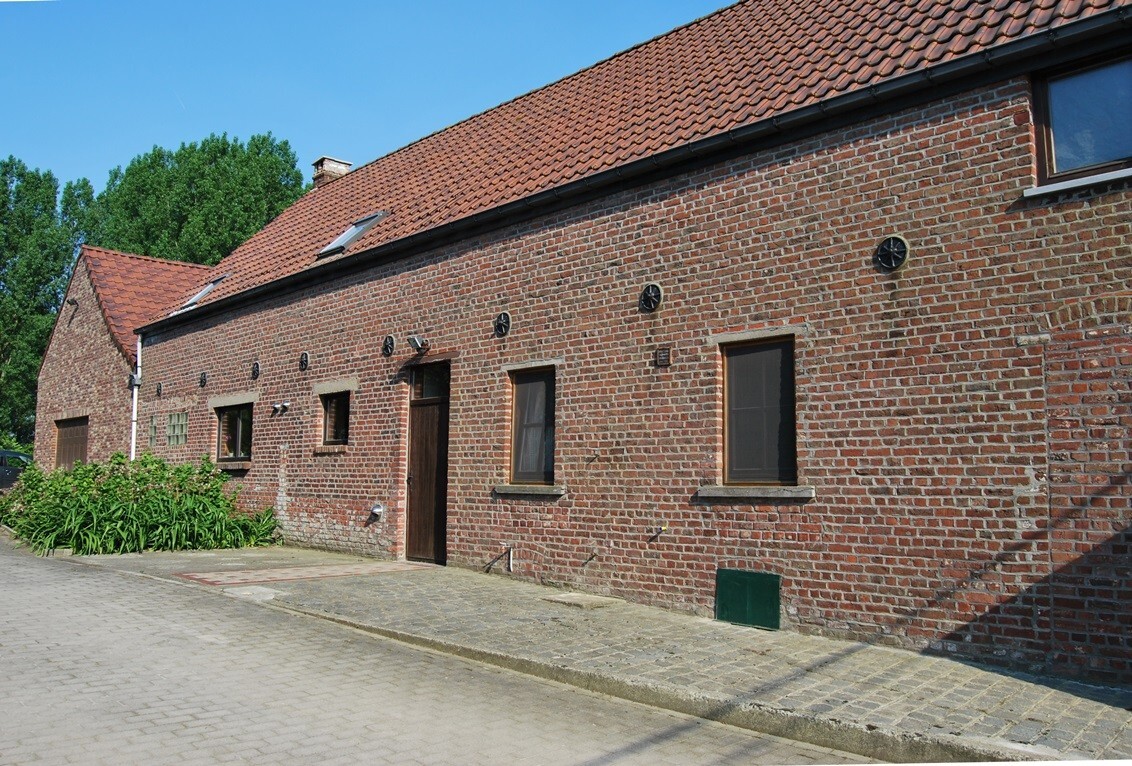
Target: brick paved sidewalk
[[884, 703]]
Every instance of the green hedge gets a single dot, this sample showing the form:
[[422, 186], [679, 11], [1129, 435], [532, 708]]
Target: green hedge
[[126, 506]]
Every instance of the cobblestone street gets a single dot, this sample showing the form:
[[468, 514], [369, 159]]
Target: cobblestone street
[[103, 667]]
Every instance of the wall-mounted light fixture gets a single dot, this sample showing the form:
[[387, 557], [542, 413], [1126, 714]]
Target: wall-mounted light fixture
[[375, 513], [418, 343], [72, 302], [280, 407]]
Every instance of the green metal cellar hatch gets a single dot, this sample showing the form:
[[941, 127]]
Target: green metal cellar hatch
[[747, 598]]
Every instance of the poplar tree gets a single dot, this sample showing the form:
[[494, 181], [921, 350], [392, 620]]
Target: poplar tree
[[38, 237]]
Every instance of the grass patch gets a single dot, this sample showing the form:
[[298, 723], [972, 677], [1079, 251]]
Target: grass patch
[[124, 506]]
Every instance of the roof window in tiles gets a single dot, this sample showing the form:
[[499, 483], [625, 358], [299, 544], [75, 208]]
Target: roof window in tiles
[[192, 302], [357, 229]]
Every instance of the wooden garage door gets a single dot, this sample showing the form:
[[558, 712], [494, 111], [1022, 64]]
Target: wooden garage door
[[70, 444]]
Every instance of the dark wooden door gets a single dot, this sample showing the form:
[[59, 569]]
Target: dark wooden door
[[426, 523], [70, 442]]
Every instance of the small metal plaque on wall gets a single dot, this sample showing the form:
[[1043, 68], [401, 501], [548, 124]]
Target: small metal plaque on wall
[[662, 357]]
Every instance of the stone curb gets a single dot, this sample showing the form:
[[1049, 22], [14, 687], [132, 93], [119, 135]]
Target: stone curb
[[869, 741]]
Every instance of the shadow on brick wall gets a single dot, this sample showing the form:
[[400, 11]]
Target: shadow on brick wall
[[1077, 621]]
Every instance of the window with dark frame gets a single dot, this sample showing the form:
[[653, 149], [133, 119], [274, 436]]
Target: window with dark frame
[[336, 418], [234, 435], [1083, 120], [532, 426], [760, 440]]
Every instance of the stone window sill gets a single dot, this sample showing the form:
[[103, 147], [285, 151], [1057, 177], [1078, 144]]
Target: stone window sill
[[530, 490], [1078, 183], [234, 465], [741, 492], [331, 449]]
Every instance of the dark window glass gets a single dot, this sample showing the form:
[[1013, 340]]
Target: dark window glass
[[235, 433], [759, 424], [430, 381], [1088, 120], [532, 422], [336, 418]]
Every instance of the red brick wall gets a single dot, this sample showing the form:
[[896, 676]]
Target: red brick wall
[[922, 413], [84, 373], [1089, 371]]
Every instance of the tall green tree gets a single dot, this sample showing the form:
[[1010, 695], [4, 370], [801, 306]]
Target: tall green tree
[[38, 236], [197, 203]]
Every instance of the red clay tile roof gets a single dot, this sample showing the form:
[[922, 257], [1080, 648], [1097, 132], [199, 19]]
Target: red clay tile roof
[[744, 64], [134, 289]]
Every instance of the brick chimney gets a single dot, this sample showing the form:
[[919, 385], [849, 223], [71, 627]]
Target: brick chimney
[[326, 169]]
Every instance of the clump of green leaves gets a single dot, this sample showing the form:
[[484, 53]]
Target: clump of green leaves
[[7, 441], [125, 506]]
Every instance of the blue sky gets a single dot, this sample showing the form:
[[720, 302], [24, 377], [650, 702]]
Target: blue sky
[[86, 86]]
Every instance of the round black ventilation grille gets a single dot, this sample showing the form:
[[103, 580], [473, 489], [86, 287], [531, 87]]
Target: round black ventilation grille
[[650, 298], [502, 325], [891, 253], [203, 379], [304, 361], [388, 345], [255, 370]]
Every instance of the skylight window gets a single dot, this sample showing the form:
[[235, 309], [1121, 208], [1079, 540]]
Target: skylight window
[[357, 229], [191, 302]]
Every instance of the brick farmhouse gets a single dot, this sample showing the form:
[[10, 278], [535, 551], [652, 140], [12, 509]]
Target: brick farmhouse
[[812, 315]]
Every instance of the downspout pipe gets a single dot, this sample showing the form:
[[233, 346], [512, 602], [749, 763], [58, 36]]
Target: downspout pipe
[[135, 384]]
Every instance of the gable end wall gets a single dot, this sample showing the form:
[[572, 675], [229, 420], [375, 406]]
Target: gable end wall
[[84, 373]]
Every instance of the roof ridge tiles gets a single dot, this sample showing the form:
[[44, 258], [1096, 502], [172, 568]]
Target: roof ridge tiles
[[138, 256]]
